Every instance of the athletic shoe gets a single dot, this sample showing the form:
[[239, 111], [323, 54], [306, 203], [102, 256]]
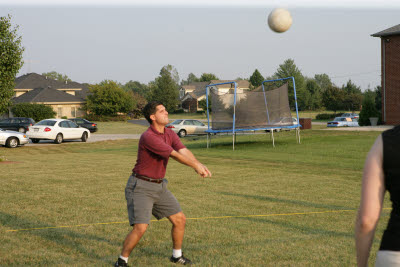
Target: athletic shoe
[[120, 262], [181, 260]]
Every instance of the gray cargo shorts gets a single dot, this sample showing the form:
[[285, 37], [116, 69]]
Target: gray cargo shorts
[[144, 198]]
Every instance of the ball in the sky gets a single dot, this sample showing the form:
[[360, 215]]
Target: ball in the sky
[[280, 20]]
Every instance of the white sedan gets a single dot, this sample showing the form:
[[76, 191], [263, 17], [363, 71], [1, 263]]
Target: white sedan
[[57, 130], [185, 127], [343, 122], [12, 139]]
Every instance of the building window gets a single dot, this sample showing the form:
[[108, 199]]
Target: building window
[[73, 112]]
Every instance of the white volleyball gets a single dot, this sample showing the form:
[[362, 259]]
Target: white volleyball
[[280, 20]]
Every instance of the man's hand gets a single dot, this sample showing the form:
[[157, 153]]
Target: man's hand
[[202, 170]]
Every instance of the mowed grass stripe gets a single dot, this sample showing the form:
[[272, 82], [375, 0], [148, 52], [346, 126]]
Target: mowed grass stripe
[[201, 218]]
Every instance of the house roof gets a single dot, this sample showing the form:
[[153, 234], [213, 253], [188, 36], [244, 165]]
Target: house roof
[[34, 80], [46, 95], [241, 83], [395, 30]]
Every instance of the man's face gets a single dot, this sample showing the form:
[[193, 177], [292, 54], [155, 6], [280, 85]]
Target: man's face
[[161, 115]]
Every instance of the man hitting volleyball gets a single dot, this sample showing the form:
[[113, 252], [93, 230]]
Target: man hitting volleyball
[[146, 192]]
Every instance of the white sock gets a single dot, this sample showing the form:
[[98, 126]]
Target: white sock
[[176, 253], [124, 258]]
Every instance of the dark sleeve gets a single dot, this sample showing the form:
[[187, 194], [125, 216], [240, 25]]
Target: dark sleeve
[[157, 146], [176, 142]]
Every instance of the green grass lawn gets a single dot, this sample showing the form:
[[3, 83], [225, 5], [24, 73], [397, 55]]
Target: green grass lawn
[[292, 205], [119, 127]]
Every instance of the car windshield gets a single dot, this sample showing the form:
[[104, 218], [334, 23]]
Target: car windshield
[[176, 122], [46, 123]]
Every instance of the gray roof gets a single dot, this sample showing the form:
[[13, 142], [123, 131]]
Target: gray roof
[[46, 95], [395, 30], [34, 80]]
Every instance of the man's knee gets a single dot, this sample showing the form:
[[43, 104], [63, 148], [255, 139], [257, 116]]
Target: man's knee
[[140, 228], [178, 219]]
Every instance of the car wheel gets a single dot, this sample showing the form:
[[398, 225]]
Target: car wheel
[[21, 130], [35, 141], [182, 133], [12, 142], [84, 137], [59, 139]]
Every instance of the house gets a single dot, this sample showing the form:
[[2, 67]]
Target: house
[[390, 74], [66, 98], [191, 94]]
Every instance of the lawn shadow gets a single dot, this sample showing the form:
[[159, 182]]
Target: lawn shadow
[[60, 236], [288, 201]]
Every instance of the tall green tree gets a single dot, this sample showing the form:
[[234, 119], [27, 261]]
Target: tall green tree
[[57, 76], [190, 79], [136, 87], [165, 88], [289, 69], [333, 98], [313, 95], [368, 110], [108, 99], [378, 98], [256, 79], [323, 81], [351, 88], [207, 77], [10, 61]]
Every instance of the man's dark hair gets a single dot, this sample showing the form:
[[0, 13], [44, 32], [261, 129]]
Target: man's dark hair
[[150, 109]]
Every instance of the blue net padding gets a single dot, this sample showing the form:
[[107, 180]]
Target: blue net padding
[[252, 129]]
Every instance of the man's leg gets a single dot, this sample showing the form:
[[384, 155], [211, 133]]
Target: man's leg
[[132, 239], [178, 229]]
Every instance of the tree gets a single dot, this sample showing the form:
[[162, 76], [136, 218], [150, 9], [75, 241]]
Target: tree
[[10, 61], [57, 76], [208, 77], [109, 99], [190, 79], [332, 98], [165, 88], [312, 95], [368, 110], [378, 98], [289, 69], [351, 88], [323, 81], [256, 78], [136, 87], [37, 112]]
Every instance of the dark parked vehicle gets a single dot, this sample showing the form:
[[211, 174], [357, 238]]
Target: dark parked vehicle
[[92, 127], [17, 124]]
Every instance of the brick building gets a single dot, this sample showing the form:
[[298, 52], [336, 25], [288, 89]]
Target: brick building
[[390, 58]]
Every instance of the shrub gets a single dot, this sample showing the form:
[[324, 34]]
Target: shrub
[[64, 117], [368, 110], [326, 116], [37, 112]]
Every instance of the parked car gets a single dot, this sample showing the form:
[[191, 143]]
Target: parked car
[[185, 127], [343, 122], [350, 115], [92, 127], [12, 139], [57, 130], [17, 124]]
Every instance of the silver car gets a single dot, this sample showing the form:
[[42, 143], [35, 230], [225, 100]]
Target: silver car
[[12, 139], [185, 127]]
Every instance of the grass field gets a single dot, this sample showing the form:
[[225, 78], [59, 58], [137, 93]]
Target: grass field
[[119, 127], [292, 205]]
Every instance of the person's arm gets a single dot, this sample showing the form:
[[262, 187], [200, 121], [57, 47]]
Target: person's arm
[[372, 195], [186, 157]]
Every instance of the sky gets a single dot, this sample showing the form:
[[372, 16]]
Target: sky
[[119, 40]]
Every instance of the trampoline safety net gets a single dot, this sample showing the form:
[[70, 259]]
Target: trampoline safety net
[[253, 109]]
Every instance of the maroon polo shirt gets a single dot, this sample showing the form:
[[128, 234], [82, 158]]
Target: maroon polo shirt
[[154, 151]]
